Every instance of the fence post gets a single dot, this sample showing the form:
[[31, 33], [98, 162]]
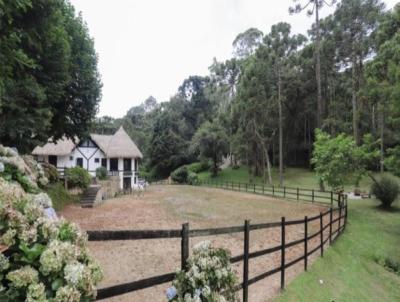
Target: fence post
[[184, 245], [273, 191], [332, 198], [312, 195], [345, 214], [254, 188], [283, 253], [305, 242], [284, 191], [340, 217], [246, 187], [246, 260], [321, 225], [263, 189], [297, 193], [330, 226]]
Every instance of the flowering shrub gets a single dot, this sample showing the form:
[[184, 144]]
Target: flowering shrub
[[42, 259], [209, 277]]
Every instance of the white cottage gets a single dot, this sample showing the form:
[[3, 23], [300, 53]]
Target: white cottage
[[117, 153]]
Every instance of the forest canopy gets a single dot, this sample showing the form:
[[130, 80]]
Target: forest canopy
[[49, 82], [267, 100]]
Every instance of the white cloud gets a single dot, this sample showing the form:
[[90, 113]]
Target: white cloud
[[149, 47]]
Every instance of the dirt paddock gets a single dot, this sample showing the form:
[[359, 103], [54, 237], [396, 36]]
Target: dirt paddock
[[168, 207]]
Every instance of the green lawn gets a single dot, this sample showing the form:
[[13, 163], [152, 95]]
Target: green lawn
[[353, 268], [294, 177]]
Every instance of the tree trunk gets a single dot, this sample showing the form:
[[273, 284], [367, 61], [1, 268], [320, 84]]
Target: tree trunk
[[268, 166], [280, 130], [382, 131], [354, 98], [318, 68], [373, 119]]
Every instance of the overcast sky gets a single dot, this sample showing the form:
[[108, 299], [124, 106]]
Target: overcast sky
[[149, 47]]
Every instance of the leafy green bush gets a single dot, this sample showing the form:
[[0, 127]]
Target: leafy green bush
[[198, 167], [60, 196], [192, 178], [11, 173], [50, 172], [77, 177], [386, 189], [180, 175], [101, 173]]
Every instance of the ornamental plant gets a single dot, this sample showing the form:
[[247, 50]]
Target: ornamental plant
[[43, 258], [209, 277], [78, 177], [386, 190]]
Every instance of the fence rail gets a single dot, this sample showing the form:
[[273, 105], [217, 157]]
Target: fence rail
[[185, 233], [296, 193]]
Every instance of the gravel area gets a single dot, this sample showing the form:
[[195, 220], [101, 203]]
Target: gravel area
[[167, 207]]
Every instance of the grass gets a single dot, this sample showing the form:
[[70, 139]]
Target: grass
[[293, 177], [60, 196], [361, 265]]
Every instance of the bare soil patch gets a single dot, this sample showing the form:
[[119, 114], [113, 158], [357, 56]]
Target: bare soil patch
[[170, 206]]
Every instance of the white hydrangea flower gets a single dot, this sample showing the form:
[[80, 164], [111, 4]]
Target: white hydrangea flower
[[67, 294], [56, 254], [23, 277], [36, 293], [43, 200], [4, 262], [73, 273], [201, 246]]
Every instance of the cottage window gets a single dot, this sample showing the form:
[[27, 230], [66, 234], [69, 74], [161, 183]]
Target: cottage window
[[96, 160], [79, 162]]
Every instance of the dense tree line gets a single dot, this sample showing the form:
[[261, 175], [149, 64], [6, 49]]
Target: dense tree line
[[49, 83], [343, 77]]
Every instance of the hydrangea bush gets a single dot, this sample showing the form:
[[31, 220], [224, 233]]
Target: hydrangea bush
[[209, 277], [42, 259]]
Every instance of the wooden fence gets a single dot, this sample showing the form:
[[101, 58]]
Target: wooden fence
[[300, 194], [185, 233]]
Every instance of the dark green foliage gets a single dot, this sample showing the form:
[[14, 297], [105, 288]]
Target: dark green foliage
[[49, 83], [198, 167], [391, 265], [50, 172], [60, 196], [392, 163], [211, 142], [77, 177], [180, 175], [386, 189], [101, 173]]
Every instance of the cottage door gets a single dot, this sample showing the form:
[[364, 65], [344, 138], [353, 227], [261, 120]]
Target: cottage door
[[53, 160], [127, 183]]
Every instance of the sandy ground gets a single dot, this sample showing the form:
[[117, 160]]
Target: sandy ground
[[167, 207]]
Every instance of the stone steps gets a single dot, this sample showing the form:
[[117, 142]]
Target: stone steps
[[89, 197]]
